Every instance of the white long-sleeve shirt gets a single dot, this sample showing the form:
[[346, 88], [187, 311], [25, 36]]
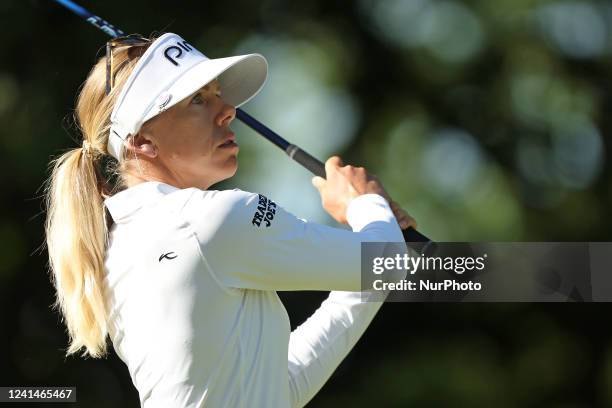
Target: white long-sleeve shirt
[[193, 311]]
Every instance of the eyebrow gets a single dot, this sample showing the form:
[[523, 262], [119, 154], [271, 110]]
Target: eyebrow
[[205, 87], [214, 82], [218, 86]]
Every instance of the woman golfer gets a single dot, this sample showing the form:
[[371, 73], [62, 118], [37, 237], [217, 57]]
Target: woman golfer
[[183, 279]]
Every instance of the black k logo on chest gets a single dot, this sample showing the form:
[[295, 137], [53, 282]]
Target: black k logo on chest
[[167, 255]]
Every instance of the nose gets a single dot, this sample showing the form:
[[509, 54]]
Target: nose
[[226, 115]]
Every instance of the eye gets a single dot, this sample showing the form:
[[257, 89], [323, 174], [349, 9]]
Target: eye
[[198, 99]]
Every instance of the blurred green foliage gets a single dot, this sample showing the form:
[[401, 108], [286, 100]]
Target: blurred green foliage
[[486, 120]]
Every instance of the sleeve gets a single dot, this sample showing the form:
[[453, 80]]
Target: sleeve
[[319, 345], [248, 241]]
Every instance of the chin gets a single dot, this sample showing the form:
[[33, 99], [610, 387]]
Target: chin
[[229, 170], [233, 173], [232, 166]]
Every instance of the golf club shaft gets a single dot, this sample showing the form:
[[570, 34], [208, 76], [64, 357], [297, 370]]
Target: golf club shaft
[[415, 239], [92, 18], [314, 165]]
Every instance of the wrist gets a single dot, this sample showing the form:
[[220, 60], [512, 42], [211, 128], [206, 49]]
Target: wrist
[[363, 209]]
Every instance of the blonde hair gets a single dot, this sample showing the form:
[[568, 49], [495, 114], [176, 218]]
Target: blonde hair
[[77, 224]]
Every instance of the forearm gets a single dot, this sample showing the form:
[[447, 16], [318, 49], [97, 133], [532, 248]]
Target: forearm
[[319, 345]]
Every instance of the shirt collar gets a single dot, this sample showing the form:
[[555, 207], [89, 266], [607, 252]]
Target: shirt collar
[[128, 201]]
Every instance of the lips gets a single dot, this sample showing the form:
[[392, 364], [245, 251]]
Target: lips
[[230, 141]]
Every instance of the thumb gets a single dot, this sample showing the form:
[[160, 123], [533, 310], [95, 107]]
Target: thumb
[[318, 182]]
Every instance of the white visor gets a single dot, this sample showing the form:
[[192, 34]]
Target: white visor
[[169, 71]]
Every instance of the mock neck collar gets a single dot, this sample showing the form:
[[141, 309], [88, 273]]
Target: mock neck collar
[[128, 201]]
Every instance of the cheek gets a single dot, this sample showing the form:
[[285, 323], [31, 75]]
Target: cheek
[[191, 138]]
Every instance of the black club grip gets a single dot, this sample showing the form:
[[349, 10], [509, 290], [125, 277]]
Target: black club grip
[[315, 166]]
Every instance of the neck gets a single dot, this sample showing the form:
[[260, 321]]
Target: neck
[[140, 170]]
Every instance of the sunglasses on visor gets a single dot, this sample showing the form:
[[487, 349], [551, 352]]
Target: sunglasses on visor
[[135, 42]]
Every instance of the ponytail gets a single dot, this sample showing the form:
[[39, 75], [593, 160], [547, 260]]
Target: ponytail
[[76, 239], [76, 226]]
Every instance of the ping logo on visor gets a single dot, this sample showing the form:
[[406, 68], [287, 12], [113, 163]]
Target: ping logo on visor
[[178, 51]]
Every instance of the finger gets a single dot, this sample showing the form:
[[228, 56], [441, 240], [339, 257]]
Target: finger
[[318, 182], [333, 163], [399, 216], [411, 223], [403, 220]]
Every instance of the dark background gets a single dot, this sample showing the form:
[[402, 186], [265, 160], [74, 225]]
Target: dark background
[[487, 120]]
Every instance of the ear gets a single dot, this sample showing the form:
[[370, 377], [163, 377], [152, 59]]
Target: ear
[[141, 145]]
